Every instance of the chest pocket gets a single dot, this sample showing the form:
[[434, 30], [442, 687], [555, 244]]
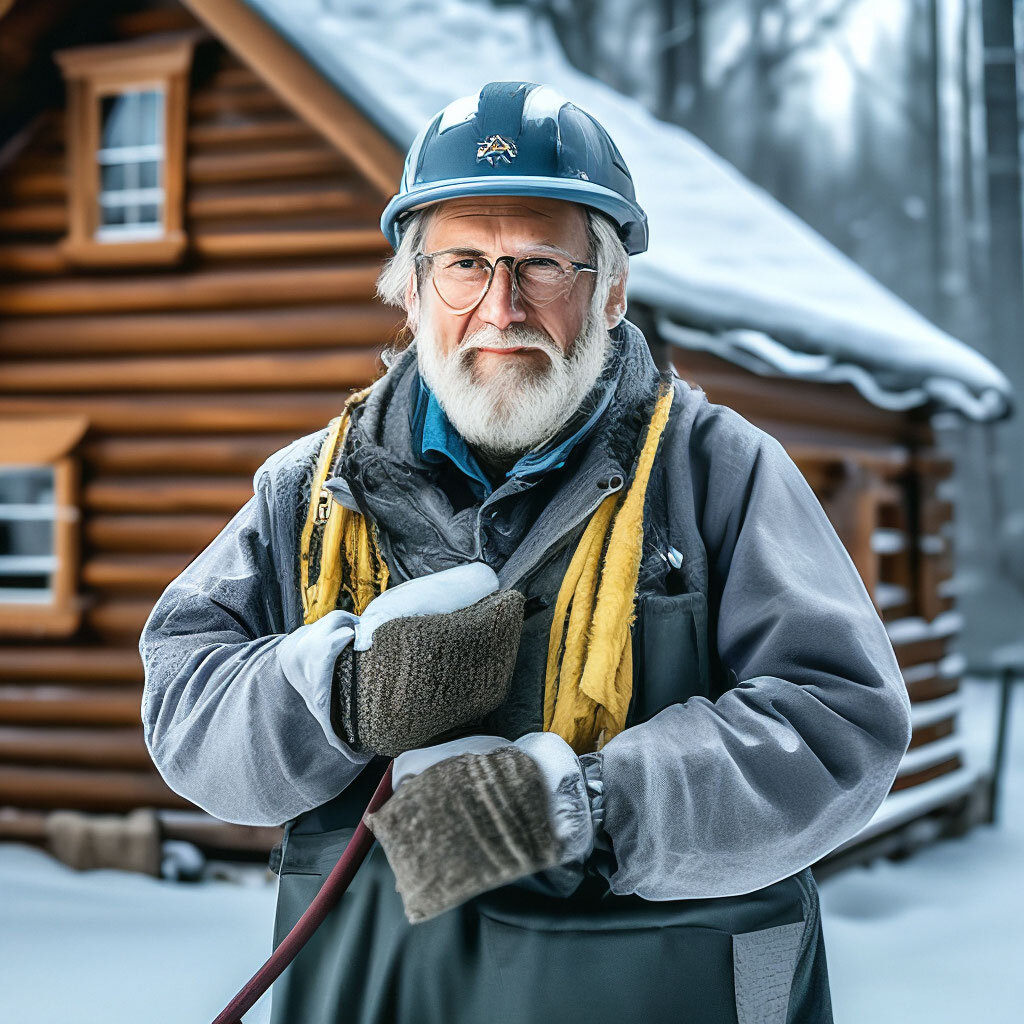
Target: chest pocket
[[670, 653]]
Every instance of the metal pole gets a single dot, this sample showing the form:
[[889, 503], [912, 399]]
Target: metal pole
[[1006, 681]]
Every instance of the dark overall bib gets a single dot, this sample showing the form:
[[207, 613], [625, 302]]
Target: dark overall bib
[[517, 955]]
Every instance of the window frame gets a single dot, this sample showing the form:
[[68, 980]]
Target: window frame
[[93, 73], [49, 442]]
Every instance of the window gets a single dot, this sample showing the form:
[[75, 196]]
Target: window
[[28, 511], [131, 158], [126, 120], [39, 526]]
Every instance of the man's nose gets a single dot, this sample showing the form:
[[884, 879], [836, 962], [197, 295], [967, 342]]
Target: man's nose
[[497, 307]]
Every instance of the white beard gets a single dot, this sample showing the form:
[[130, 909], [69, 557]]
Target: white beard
[[516, 407]]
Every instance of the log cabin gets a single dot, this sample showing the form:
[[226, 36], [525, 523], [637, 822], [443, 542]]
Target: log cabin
[[190, 196]]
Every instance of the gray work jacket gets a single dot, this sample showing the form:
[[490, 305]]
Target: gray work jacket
[[793, 748]]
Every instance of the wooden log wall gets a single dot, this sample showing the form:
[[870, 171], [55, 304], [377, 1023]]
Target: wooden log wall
[[190, 377]]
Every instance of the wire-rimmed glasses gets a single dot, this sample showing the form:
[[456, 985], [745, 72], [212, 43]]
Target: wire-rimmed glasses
[[462, 276]]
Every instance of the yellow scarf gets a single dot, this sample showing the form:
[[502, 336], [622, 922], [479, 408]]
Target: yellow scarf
[[350, 557], [587, 691], [589, 677]]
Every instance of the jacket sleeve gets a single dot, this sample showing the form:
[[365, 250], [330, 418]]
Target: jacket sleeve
[[222, 723], [709, 799]]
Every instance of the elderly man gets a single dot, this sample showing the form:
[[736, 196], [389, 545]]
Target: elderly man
[[631, 681]]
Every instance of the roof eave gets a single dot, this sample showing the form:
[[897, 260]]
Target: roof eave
[[759, 353], [264, 42]]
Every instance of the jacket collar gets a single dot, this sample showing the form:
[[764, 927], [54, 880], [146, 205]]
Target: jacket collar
[[436, 438]]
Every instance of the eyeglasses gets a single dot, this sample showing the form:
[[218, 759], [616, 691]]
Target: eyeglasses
[[461, 277]]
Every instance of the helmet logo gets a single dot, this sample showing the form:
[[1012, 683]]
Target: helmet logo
[[495, 148]]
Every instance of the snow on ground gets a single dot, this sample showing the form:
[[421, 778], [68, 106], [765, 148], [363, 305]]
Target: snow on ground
[[933, 939], [938, 938], [114, 947]]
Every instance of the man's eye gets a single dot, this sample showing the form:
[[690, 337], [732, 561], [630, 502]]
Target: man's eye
[[540, 261], [466, 263]]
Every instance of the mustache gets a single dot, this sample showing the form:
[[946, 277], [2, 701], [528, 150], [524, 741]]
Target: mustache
[[516, 338]]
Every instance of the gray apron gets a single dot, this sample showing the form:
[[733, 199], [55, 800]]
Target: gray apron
[[517, 954]]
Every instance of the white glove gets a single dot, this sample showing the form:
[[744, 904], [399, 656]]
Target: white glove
[[447, 591], [568, 804], [307, 654]]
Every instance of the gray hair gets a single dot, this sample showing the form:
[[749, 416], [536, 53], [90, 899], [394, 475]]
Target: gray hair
[[605, 251]]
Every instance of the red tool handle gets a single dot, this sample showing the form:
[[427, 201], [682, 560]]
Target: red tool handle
[[330, 892]]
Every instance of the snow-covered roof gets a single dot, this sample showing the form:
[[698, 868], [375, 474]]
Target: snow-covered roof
[[729, 268]]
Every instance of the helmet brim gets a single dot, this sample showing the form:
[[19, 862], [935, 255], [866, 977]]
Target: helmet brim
[[630, 219]]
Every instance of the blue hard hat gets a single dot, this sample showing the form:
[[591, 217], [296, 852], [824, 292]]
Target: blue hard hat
[[517, 139]]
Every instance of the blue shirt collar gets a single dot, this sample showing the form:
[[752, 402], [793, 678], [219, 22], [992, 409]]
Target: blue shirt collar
[[438, 439]]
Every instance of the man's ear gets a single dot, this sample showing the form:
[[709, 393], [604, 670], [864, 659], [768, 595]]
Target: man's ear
[[615, 307]]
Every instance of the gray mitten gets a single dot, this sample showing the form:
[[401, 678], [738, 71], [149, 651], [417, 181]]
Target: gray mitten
[[427, 675], [463, 826]]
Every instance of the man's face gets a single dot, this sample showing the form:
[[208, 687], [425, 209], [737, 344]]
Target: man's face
[[500, 226], [508, 374]]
